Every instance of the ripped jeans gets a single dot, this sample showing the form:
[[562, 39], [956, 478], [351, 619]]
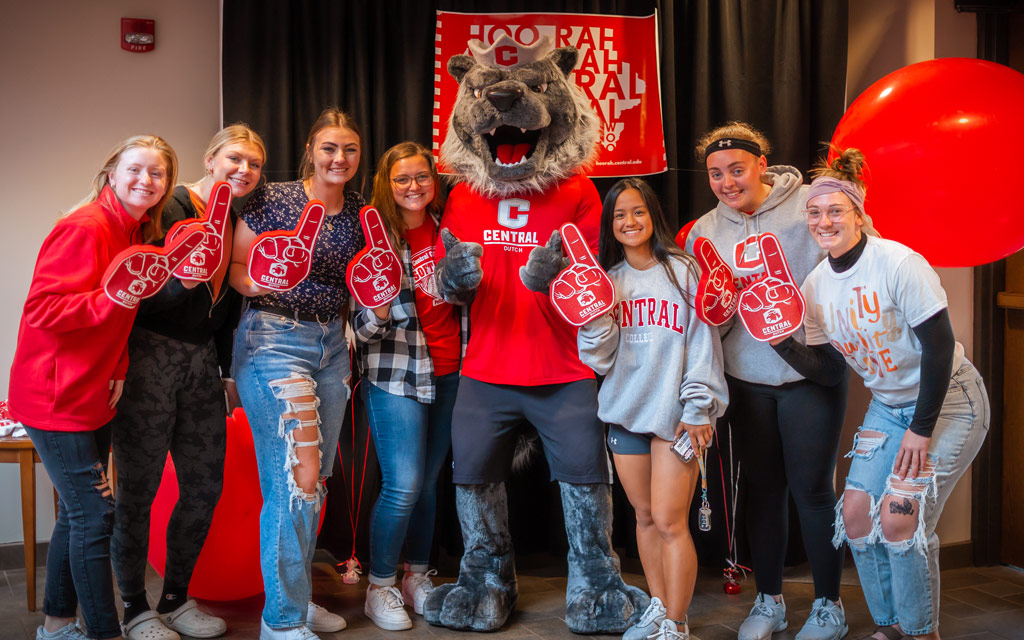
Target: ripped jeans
[[292, 377], [78, 560], [898, 561]]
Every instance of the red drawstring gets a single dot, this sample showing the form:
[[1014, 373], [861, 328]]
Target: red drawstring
[[352, 565]]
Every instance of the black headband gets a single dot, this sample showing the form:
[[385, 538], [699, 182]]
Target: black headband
[[725, 144]]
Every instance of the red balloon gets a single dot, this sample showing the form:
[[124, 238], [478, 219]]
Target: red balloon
[[229, 564], [941, 138]]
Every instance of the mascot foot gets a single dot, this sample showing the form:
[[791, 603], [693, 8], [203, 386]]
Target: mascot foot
[[597, 600], [486, 592]]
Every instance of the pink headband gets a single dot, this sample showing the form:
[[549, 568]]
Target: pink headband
[[826, 185]]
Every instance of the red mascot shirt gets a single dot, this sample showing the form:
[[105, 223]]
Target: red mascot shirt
[[515, 335]]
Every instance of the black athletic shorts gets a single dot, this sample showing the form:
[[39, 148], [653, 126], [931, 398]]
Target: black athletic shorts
[[488, 418]]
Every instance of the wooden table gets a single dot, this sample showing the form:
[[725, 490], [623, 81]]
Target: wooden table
[[20, 450]]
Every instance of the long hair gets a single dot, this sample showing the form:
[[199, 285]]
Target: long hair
[[151, 230], [383, 198], [329, 117], [663, 246]]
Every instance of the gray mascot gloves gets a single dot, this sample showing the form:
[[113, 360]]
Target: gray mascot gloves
[[458, 273], [544, 265]]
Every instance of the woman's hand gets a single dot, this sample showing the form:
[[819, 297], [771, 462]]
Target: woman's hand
[[116, 388], [700, 435], [911, 457], [382, 311], [231, 393]]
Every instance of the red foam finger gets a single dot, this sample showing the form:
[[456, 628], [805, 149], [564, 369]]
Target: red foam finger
[[218, 207], [373, 229], [575, 246], [310, 223], [773, 258], [186, 242]]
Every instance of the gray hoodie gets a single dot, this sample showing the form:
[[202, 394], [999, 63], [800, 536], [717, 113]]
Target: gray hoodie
[[731, 232], [663, 365]]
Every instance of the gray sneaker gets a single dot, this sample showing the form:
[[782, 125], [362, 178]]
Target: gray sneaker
[[648, 622], [766, 617], [668, 630], [68, 632], [826, 622]]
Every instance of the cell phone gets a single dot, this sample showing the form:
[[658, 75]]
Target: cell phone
[[682, 447]]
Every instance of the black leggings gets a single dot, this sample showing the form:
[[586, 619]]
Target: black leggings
[[173, 401], [787, 439]]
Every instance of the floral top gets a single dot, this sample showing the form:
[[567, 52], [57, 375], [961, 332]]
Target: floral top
[[278, 206]]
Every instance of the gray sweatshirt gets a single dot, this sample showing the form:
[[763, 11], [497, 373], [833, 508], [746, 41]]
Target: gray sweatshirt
[[663, 365], [734, 234]]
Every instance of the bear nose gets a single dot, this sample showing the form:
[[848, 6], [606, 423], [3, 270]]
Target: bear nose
[[504, 98]]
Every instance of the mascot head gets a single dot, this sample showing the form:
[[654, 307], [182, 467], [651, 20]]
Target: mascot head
[[520, 123]]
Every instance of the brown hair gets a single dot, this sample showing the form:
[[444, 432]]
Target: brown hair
[[734, 129], [151, 230], [383, 198], [847, 165], [329, 117]]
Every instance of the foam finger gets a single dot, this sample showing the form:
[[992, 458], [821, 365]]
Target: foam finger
[[373, 228], [773, 258], [218, 207], [186, 242], [575, 246], [707, 256], [310, 222]]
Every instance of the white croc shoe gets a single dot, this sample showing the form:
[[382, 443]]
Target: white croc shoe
[[148, 626], [188, 620]]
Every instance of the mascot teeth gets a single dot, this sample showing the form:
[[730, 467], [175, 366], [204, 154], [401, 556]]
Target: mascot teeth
[[511, 146]]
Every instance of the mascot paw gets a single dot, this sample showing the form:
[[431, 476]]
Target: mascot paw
[[543, 265], [470, 605], [610, 610], [458, 273]]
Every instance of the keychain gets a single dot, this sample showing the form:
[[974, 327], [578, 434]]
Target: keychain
[[352, 571], [704, 513]]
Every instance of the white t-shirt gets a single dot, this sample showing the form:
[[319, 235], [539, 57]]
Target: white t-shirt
[[867, 312]]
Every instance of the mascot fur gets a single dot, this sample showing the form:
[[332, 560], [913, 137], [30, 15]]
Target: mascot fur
[[519, 136]]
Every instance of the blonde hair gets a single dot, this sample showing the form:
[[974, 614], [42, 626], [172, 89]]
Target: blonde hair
[[383, 198], [329, 117], [152, 229], [235, 133], [734, 129], [847, 165]]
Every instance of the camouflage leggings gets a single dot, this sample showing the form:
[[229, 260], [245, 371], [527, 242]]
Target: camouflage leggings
[[173, 402]]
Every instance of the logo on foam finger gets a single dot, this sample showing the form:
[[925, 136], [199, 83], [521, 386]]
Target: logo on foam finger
[[582, 291], [280, 260], [774, 306]]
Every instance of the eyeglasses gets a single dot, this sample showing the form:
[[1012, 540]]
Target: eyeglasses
[[835, 214], [404, 182]]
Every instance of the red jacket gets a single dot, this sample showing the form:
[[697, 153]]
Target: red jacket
[[73, 340]]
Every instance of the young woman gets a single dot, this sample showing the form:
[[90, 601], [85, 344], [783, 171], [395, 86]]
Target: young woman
[[409, 352], [677, 362], [174, 401], [292, 369], [881, 307], [69, 370], [785, 428]]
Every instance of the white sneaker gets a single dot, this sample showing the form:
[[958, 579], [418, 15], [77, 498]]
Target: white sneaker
[[320, 619], [766, 617], [826, 622], [648, 623], [385, 608], [188, 620], [70, 631], [294, 633], [668, 630], [415, 588]]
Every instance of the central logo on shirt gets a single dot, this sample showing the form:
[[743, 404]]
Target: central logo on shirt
[[748, 254], [423, 274], [512, 213]]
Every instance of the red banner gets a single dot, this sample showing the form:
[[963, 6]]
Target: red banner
[[617, 70]]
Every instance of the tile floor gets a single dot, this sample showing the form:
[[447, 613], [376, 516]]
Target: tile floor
[[977, 604]]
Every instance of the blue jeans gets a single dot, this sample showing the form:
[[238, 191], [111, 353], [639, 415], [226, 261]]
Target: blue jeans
[[78, 560], [900, 578], [412, 440], [277, 362]]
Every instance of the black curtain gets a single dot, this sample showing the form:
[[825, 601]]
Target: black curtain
[[778, 64]]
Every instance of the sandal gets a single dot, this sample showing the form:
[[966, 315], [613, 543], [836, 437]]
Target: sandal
[[147, 626], [188, 620]]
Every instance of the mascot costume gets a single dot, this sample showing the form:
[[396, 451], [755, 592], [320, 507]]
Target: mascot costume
[[519, 135]]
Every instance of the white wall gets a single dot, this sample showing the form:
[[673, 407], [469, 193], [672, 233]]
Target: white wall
[[68, 93], [885, 36]]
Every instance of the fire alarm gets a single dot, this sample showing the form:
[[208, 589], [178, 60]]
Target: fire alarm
[[138, 35]]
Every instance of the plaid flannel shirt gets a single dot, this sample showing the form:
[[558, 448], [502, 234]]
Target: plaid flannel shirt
[[393, 353]]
